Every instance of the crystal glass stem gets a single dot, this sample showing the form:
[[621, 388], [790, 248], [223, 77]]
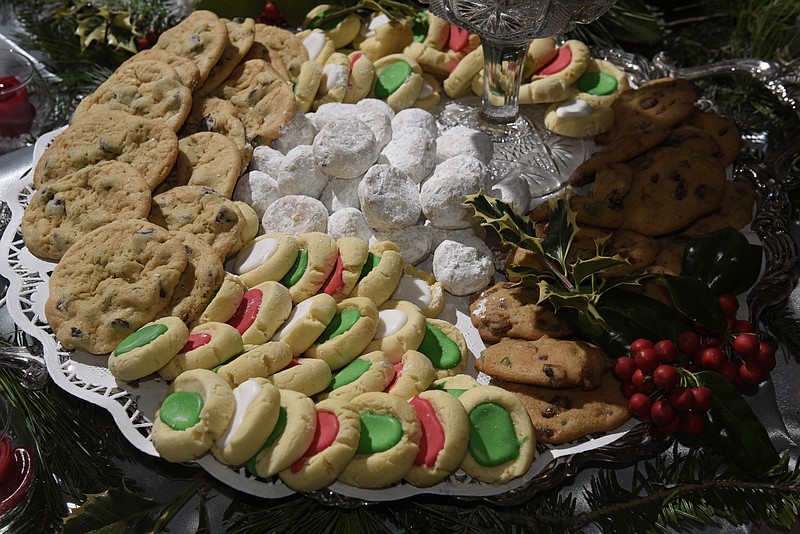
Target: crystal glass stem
[[503, 65]]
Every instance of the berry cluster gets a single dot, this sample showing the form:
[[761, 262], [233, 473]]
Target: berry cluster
[[651, 383]]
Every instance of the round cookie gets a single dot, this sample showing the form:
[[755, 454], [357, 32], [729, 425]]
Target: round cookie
[[381, 273], [463, 141], [334, 80], [413, 374], [295, 215], [261, 361], [317, 44], [147, 349], [389, 442], [62, 211], [601, 83], [398, 81], [390, 200], [205, 159], [345, 148], [111, 282], [445, 346], [502, 442], [334, 445], [353, 255], [267, 258], [187, 70], [148, 89], [306, 322], [148, 145], [258, 189], [291, 437], [724, 132], [421, 289], [241, 35], [372, 371], [445, 436], [225, 301], [341, 30], [208, 345], [299, 174], [261, 312], [202, 37], [463, 267], [414, 118], [286, 45], [264, 49], [217, 115], [413, 242], [305, 89], [347, 334], [413, 151], [314, 264], [347, 220], [578, 118], [359, 82], [199, 282], [442, 195], [256, 411], [250, 228], [551, 82], [401, 327], [200, 211], [196, 411], [455, 385], [304, 375]]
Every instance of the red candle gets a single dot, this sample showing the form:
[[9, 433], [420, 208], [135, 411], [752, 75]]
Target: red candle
[[16, 111]]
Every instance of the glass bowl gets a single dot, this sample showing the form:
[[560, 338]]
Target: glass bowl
[[17, 465]]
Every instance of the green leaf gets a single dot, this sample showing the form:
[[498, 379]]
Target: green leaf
[[583, 269], [733, 428], [724, 260], [562, 230], [696, 301], [512, 228], [627, 312], [114, 510]]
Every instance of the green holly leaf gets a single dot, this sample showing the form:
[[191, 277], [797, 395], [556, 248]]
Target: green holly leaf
[[512, 228], [114, 510], [583, 269], [724, 260], [562, 229], [697, 302]]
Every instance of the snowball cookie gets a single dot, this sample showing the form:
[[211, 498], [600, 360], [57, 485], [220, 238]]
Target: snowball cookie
[[463, 267], [268, 257], [296, 132], [413, 374], [257, 406], [353, 255], [349, 222], [304, 375], [261, 312], [460, 140], [196, 411], [340, 194], [149, 348], [445, 436], [413, 242], [258, 190], [314, 264], [578, 118], [260, 361], [378, 115], [225, 302], [381, 273], [455, 385], [516, 191], [414, 118], [398, 81], [345, 148], [442, 195], [372, 371], [389, 198], [250, 228], [334, 80], [266, 160], [421, 289], [502, 442], [348, 333], [438, 235], [389, 443], [413, 151], [445, 346], [293, 433], [334, 445], [207, 346], [307, 321], [401, 327], [295, 214], [300, 175]]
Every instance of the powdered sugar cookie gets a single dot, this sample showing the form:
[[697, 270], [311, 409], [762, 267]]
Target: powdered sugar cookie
[[345, 148], [349, 222], [371, 371], [461, 140], [421, 289], [261, 361], [514, 190], [267, 160], [463, 268], [445, 346], [348, 333], [297, 131], [258, 190], [442, 195], [398, 81], [261, 312], [412, 375], [268, 257], [378, 115], [148, 349], [208, 345], [304, 375], [314, 264], [389, 199], [401, 327], [353, 255], [414, 118], [299, 173], [381, 273], [334, 445], [295, 215], [306, 322], [413, 151], [225, 301], [413, 242]]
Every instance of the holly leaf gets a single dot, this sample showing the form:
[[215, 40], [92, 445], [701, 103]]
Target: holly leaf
[[696, 301], [724, 260], [583, 269], [562, 229], [512, 228], [114, 510], [733, 429]]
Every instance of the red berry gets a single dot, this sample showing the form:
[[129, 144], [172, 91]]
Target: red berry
[[765, 357], [743, 326], [627, 389], [692, 423], [710, 341], [746, 346], [665, 377], [624, 367], [729, 304], [667, 351], [646, 359], [640, 344], [642, 381], [731, 324], [681, 399], [712, 359], [751, 373], [688, 343], [730, 371], [702, 399], [639, 404], [672, 427], [662, 413]]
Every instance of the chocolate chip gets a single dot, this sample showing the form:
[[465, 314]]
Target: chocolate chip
[[120, 323], [548, 371], [549, 412], [207, 123], [702, 191], [145, 232], [162, 291], [62, 304], [561, 402], [648, 103], [543, 432], [680, 191], [75, 332], [654, 178]]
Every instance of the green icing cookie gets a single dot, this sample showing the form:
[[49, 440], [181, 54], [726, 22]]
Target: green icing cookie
[[280, 426], [341, 323], [298, 269], [379, 433], [181, 410], [442, 351], [420, 27], [391, 78], [317, 22], [597, 83], [350, 373], [372, 261], [492, 439], [140, 338]]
